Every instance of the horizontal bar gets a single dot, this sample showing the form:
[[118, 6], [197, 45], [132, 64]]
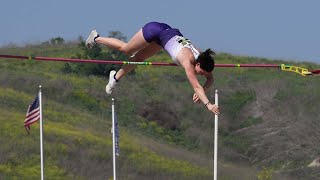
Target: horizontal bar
[[249, 65], [130, 62]]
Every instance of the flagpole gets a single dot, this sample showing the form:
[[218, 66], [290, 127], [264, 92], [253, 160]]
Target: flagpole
[[41, 134], [113, 141], [215, 138]]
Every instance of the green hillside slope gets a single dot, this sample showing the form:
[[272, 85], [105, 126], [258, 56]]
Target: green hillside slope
[[269, 119]]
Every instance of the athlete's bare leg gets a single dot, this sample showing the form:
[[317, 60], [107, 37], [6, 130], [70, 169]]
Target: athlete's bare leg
[[136, 43], [141, 55]]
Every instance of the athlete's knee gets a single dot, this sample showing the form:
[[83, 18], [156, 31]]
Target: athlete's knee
[[126, 50], [137, 57]]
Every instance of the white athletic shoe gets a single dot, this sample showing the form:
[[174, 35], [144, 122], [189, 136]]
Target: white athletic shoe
[[90, 41], [112, 82]]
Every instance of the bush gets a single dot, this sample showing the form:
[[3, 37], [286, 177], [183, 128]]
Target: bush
[[250, 122], [237, 101], [265, 174]]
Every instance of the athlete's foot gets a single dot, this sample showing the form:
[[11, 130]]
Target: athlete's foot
[[91, 39], [112, 82]]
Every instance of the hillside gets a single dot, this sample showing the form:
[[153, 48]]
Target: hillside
[[269, 121]]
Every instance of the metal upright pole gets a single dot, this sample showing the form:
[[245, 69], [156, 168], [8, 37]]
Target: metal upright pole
[[215, 139], [113, 141], [41, 134]]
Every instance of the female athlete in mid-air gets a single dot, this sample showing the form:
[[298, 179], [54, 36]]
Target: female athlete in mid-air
[[149, 40]]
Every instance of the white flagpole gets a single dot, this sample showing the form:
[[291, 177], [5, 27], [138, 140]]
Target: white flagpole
[[113, 141], [41, 133], [215, 138]]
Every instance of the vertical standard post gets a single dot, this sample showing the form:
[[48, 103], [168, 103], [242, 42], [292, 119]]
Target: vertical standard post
[[215, 138], [113, 141], [41, 134]]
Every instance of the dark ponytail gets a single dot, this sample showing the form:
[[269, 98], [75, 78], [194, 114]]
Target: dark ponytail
[[209, 52], [206, 60]]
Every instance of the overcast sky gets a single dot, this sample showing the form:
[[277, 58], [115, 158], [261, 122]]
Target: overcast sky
[[276, 29]]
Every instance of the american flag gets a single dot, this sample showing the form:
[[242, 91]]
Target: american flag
[[33, 113]]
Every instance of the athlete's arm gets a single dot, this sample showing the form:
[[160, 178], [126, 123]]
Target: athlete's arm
[[191, 74], [185, 59], [206, 87]]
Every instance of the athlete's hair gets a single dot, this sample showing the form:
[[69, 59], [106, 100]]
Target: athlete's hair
[[206, 60]]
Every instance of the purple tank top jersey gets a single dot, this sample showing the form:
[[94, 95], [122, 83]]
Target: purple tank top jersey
[[160, 33]]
